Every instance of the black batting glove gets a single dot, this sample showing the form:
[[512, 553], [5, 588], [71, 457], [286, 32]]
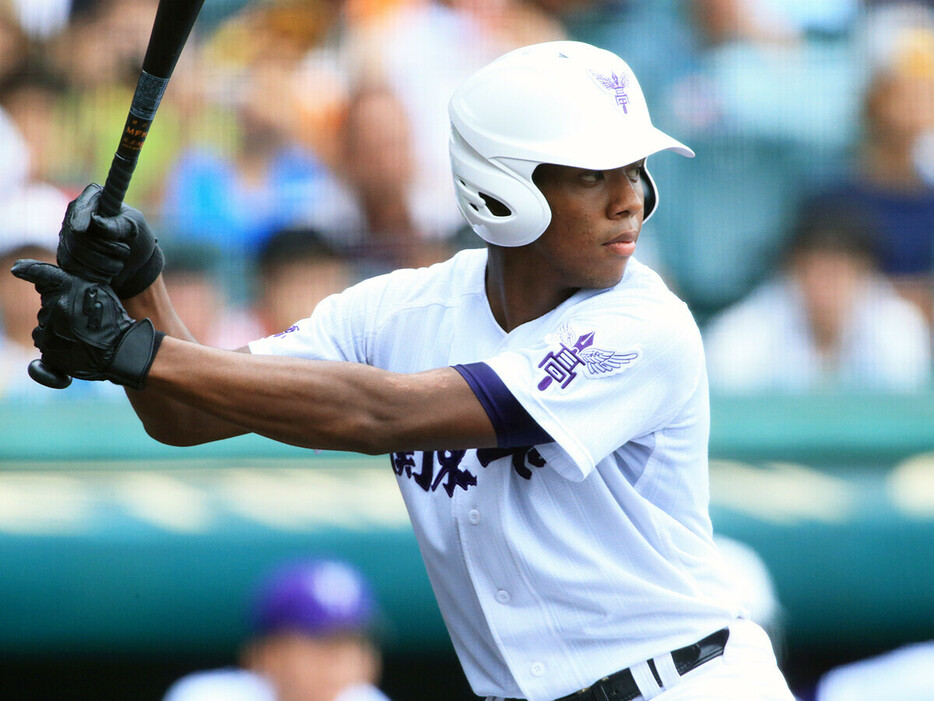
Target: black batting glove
[[84, 330], [121, 251], [81, 250]]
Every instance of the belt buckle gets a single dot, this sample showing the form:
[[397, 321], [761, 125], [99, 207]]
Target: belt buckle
[[597, 691], [581, 694]]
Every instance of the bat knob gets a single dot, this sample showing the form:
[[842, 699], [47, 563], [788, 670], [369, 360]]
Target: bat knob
[[44, 375]]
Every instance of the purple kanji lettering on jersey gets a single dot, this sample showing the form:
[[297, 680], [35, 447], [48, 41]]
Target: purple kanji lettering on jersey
[[293, 327], [402, 463], [559, 366], [520, 458], [423, 478], [450, 460]]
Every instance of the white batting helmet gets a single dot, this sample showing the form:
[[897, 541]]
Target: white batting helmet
[[561, 102]]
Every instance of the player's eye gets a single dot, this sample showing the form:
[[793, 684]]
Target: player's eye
[[634, 172], [591, 177]]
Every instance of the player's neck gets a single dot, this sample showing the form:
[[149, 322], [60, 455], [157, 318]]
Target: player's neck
[[516, 292]]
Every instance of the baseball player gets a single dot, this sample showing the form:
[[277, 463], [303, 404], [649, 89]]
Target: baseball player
[[544, 399]]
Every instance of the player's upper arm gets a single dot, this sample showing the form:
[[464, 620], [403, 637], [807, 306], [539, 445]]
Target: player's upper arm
[[463, 407], [512, 424]]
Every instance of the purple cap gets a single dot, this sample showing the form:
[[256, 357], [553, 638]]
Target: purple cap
[[316, 597]]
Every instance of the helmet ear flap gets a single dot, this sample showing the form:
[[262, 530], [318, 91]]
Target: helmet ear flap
[[650, 195], [498, 200]]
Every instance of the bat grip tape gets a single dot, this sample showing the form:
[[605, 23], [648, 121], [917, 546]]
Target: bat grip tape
[[148, 95], [146, 99]]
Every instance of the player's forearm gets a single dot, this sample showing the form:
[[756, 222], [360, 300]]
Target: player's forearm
[[319, 404], [166, 419], [154, 304]]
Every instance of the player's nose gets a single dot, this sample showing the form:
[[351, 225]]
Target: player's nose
[[627, 196]]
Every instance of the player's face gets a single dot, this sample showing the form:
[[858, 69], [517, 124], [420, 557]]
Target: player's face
[[596, 217]]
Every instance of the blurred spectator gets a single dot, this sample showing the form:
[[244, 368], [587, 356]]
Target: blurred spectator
[[31, 95], [283, 29], [905, 674], [192, 277], [15, 161], [42, 18], [374, 209], [827, 321], [14, 42], [756, 587], [311, 637], [100, 53], [380, 168], [29, 221], [816, 17], [420, 51], [893, 175], [236, 197], [297, 269], [221, 685], [771, 69], [311, 94], [91, 62]]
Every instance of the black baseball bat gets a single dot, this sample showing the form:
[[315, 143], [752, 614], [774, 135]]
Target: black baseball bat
[[170, 30]]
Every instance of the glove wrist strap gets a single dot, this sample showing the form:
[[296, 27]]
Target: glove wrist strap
[[134, 355]]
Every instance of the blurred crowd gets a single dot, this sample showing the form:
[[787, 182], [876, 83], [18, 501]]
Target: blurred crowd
[[302, 146]]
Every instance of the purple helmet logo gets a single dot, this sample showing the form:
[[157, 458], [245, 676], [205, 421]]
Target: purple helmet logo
[[614, 84]]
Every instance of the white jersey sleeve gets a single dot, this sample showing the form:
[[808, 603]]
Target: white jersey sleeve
[[611, 369], [336, 329]]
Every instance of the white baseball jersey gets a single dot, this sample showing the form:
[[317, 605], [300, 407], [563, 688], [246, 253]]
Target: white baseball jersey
[[558, 563]]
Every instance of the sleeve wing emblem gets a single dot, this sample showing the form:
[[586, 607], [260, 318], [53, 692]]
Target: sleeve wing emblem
[[564, 335], [599, 361]]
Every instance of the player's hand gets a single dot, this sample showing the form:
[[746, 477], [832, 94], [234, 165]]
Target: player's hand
[[121, 251], [84, 330]]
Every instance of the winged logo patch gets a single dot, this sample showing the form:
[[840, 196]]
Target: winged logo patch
[[614, 84], [577, 354]]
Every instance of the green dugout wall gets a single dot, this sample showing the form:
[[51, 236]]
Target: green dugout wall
[[111, 541]]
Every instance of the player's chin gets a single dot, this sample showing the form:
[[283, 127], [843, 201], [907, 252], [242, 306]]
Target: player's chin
[[607, 277]]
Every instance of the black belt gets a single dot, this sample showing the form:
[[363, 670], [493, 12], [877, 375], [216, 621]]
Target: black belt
[[621, 686]]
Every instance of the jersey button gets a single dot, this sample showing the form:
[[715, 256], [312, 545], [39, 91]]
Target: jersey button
[[502, 596], [537, 669], [473, 516]]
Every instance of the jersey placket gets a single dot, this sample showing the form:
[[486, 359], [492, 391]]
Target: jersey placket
[[509, 604]]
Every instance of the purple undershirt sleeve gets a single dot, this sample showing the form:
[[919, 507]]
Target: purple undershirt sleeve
[[513, 425]]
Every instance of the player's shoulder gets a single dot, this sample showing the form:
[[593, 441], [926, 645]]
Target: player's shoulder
[[459, 273], [641, 295], [641, 279], [640, 315], [443, 283]]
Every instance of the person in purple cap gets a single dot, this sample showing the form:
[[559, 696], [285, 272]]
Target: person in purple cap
[[311, 633], [310, 639]]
